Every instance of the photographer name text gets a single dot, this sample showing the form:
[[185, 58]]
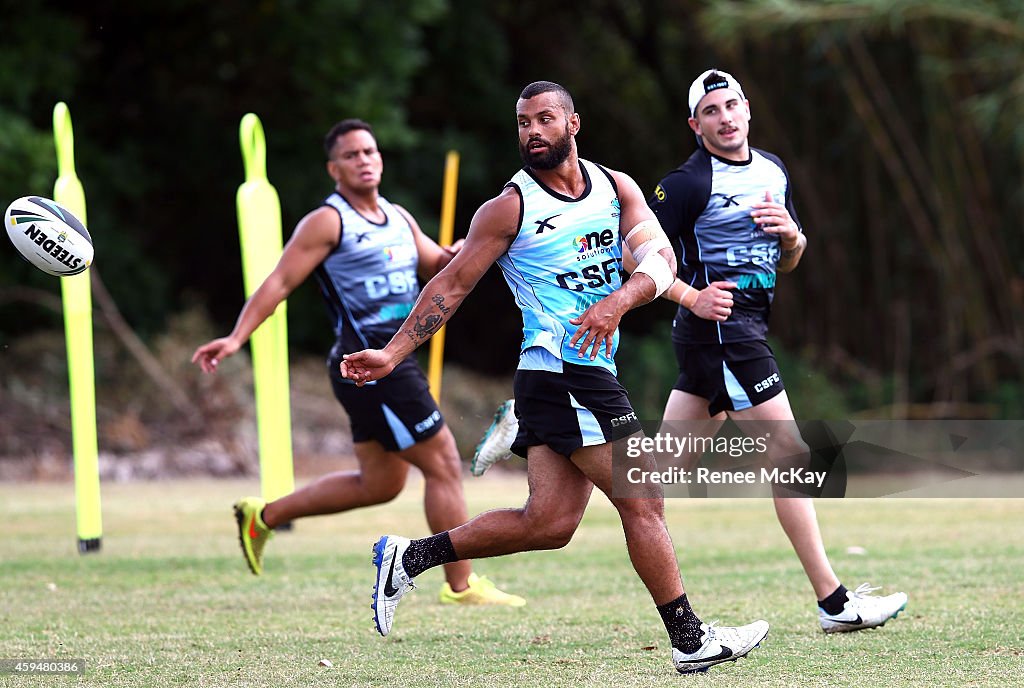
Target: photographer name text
[[706, 476]]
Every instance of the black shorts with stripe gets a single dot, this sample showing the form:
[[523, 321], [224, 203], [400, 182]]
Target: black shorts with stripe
[[731, 376], [398, 411], [580, 407]]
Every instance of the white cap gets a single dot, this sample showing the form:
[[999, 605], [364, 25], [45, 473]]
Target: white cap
[[702, 85]]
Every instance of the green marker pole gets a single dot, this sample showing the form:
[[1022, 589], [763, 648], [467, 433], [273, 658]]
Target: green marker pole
[[259, 226], [77, 299], [445, 235]]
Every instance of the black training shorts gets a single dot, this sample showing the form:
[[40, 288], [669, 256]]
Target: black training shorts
[[732, 376], [398, 411], [580, 407]]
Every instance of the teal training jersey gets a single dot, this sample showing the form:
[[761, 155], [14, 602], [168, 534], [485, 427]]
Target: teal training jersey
[[566, 257]]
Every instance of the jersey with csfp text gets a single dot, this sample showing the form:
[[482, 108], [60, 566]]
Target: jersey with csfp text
[[704, 207], [369, 280], [566, 257]]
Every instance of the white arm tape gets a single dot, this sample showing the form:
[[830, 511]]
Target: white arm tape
[[656, 267], [651, 239]]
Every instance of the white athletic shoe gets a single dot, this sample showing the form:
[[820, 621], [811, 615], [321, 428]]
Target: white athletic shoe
[[497, 441], [863, 610], [720, 644], [391, 582]]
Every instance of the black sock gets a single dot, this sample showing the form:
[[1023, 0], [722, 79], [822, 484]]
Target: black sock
[[427, 553], [682, 624], [834, 603]]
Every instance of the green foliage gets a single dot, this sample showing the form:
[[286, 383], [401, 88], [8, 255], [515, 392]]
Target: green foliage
[[898, 121], [32, 71], [911, 208], [647, 369], [27, 161], [157, 129], [812, 395], [27, 167], [33, 77], [1009, 399]]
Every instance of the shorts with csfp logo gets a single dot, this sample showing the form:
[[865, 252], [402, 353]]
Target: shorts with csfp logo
[[397, 411], [581, 406], [731, 376]]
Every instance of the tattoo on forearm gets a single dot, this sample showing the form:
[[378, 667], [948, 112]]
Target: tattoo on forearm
[[788, 253], [438, 301], [426, 326]]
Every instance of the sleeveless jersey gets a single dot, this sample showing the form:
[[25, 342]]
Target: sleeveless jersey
[[704, 207], [369, 280], [566, 257]]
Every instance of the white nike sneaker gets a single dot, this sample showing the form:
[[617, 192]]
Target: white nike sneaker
[[391, 582], [863, 610], [497, 441], [720, 644]]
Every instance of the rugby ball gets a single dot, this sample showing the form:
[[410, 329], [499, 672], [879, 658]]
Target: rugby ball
[[48, 236]]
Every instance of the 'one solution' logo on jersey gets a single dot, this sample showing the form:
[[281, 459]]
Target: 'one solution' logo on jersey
[[399, 253], [594, 244]]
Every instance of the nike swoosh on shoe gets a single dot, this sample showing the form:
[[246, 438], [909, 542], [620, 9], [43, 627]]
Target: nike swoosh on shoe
[[724, 654], [851, 622], [252, 528], [389, 589]]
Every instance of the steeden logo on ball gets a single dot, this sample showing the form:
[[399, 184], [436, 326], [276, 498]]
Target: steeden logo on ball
[[49, 236]]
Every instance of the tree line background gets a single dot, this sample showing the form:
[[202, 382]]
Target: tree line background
[[899, 122]]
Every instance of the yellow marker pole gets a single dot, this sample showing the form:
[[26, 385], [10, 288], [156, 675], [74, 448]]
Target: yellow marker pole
[[77, 299], [259, 228], [451, 183]]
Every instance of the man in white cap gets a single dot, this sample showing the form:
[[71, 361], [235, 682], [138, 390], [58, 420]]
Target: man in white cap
[[729, 211]]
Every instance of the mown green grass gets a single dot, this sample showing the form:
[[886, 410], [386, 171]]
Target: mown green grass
[[169, 601]]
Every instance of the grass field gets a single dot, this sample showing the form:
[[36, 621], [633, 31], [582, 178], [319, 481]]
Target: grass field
[[169, 601]]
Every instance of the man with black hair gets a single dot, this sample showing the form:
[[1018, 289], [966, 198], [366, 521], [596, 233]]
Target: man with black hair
[[366, 254], [729, 210], [557, 230]]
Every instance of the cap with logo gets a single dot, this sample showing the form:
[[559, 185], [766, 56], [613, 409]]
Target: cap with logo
[[709, 81]]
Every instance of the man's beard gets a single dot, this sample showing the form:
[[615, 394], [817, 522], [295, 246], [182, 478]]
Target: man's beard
[[557, 153]]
